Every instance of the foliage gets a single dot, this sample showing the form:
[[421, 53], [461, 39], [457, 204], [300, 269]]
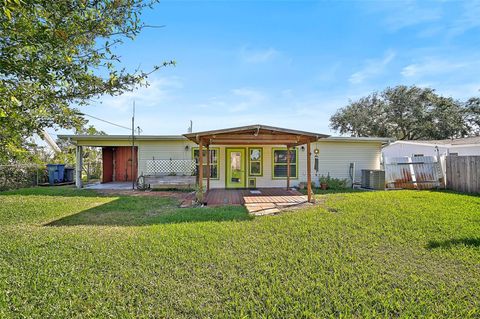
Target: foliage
[[473, 114], [337, 183], [408, 113], [17, 176], [333, 183], [92, 156], [55, 54], [369, 254], [324, 179]]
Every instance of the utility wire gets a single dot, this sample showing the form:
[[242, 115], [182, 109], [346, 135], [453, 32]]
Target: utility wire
[[111, 123]]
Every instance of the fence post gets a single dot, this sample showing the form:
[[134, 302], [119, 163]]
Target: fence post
[[78, 164]]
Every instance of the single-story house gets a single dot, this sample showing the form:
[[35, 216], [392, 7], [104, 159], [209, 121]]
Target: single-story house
[[240, 157], [459, 146]]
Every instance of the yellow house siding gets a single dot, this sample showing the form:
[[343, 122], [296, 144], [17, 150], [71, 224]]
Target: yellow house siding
[[266, 179], [335, 158], [148, 150]]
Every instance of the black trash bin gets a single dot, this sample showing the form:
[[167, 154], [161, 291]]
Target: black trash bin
[[69, 174]]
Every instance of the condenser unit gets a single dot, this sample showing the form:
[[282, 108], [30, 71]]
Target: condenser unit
[[373, 179]]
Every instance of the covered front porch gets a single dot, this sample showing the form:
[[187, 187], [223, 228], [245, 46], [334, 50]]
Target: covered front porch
[[237, 141]]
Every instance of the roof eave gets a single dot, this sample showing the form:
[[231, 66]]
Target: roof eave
[[196, 136]]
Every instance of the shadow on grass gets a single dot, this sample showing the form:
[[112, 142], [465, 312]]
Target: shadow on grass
[[472, 242], [60, 191], [142, 211]]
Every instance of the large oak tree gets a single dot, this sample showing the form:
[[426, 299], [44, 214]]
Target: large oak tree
[[408, 113], [55, 55]]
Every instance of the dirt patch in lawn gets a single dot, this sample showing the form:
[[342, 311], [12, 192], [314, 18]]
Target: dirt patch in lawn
[[185, 199]]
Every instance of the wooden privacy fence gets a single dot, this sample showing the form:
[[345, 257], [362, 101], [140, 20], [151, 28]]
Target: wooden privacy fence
[[420, 172], [463, 173]]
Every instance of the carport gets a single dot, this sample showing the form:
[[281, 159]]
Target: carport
[[119, 157]]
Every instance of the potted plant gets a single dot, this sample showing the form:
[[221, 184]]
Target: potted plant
[[324, 182]]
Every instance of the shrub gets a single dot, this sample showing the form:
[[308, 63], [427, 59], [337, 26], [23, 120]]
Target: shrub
[[18, 176], [333, 183]]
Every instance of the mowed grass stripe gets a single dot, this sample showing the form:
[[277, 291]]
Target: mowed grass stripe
[[405, 254]]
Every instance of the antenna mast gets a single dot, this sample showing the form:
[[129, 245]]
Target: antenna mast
[[190, 129], [133, 147]]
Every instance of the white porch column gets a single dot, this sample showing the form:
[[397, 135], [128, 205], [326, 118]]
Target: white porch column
[[78, 167]]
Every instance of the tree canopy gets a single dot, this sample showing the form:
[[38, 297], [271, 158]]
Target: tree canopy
[[58, 55], [408, 113]]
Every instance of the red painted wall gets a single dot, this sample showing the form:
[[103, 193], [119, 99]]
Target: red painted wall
[[107, 164], [119, 159], [123, 165]]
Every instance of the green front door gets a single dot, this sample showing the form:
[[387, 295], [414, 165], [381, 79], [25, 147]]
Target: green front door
[[235, 168]]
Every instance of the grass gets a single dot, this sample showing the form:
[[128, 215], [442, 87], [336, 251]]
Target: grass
[[67, 253], [320, 191]]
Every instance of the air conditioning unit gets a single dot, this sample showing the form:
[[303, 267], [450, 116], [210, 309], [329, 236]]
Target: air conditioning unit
[[373, 179]]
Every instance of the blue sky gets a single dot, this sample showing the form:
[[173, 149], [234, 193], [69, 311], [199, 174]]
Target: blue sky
[[290, 64]]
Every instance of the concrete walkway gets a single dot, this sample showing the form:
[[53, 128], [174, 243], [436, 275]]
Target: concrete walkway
[[110, 186]]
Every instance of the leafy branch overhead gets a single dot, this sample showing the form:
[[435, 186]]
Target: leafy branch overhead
[[55, 54], [408, 113]]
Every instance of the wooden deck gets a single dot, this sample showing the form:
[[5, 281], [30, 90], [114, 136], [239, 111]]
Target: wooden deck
[[257, 201]]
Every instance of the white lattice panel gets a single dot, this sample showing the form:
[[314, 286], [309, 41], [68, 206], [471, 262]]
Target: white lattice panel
[[170, 167]]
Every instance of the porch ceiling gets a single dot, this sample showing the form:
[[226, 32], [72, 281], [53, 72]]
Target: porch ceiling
[[254, 135]]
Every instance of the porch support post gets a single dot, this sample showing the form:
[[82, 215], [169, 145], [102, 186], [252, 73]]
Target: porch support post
[[288, 167], [208, 167], [200, 166], [78, 167], [309, 173]]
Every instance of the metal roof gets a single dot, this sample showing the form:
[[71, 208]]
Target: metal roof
[[358, 139], [255, 127], [254, 134], [458, 141], [123, 137], [184, 137]]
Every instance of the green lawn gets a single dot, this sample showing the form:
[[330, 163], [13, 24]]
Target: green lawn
[[67, 253]]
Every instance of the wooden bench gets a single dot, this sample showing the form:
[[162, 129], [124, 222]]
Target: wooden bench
[[169, 182]]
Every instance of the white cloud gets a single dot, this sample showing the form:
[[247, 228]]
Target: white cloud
[[432, 31], [404, 14], [236, 101], [258, 56], [468, 20], [249, 98], [451, 76], [432, 66], [372, 68], [461, 91], [159, 90]]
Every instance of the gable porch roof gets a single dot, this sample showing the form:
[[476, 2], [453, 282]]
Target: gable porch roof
[[254, 134]]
